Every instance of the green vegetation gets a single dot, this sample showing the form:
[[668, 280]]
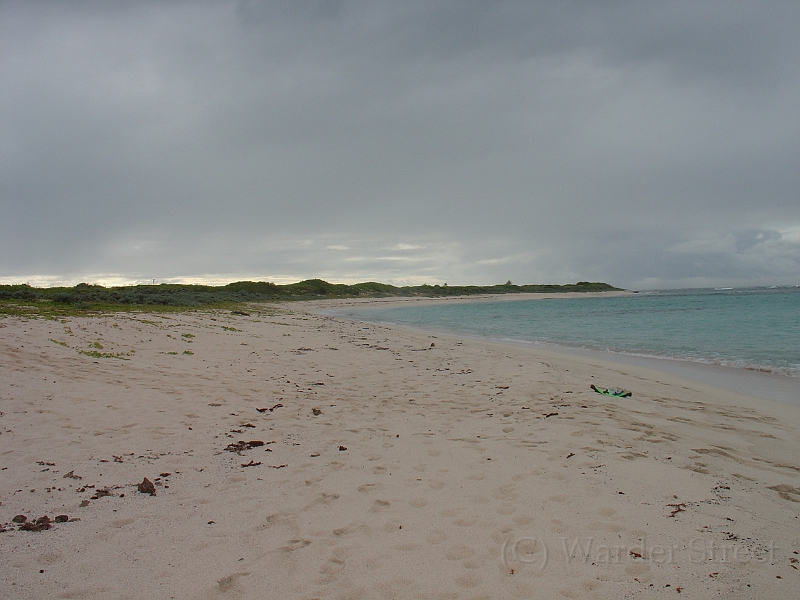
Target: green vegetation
[[24, 300], [96, 354]]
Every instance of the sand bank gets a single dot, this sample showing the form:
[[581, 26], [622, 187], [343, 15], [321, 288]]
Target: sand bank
[[324, 306], [394, 464]]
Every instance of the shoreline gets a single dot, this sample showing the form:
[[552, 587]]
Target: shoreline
[[755, 382], [395, 464]]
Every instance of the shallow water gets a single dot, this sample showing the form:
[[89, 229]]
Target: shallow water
[[749, 330]]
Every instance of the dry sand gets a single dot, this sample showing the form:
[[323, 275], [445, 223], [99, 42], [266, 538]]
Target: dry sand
[[395, 464]]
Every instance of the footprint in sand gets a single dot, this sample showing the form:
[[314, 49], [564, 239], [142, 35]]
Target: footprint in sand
[[293, 545], [408, 547], [505, 492], [122, 522], [392, 526], [470, 580], [230, 583], [330, 570], [591, 586], [418, 502], [459, 552], [522, 520], [436, 536], [465, 521], [523, 590], [379, 505], [641, 572], [372, 563], [500, 536], [506, 509]]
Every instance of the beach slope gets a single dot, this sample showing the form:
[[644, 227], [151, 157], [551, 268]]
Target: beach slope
[[287, 454]]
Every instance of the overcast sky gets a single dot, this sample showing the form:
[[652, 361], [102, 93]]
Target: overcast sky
[[645, 144]]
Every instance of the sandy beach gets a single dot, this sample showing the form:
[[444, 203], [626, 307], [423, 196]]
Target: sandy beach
[[292, 454]]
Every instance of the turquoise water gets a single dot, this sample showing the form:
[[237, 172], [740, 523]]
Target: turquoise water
[[753, 328]]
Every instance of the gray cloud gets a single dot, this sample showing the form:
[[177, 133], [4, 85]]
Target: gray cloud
[[642, 144]]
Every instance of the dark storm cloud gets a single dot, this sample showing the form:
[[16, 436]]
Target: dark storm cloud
[[647, 144]]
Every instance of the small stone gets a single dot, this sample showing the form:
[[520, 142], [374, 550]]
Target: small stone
[[61, 518], [147, 487], [19, 519]]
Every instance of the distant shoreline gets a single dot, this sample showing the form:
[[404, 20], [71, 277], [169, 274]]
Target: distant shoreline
[[392, 301]]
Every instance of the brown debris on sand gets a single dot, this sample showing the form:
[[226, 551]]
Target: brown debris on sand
[[241, 446], [147, 487], [40, 524], [679, 507]]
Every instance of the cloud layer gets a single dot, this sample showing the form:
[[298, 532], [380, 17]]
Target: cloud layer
[[647, 145]]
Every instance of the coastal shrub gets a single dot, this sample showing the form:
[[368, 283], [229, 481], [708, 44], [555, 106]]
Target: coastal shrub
[[86, 296]]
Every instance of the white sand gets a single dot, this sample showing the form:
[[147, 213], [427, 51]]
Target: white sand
[[455, 482]]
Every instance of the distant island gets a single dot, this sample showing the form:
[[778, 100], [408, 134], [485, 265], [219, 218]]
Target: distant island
[[97, 297]]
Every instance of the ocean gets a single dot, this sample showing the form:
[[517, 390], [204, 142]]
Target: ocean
[[746, 330]]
